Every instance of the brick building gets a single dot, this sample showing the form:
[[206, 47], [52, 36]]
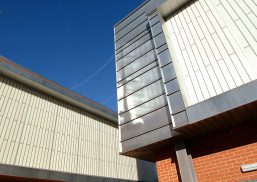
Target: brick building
[[187, 88]]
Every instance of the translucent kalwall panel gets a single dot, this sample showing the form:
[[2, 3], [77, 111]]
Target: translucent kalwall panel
[[214, 48], [42, 132]]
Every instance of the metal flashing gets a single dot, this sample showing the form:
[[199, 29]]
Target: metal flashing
[[20, 74], [41, 174], [224, 102]]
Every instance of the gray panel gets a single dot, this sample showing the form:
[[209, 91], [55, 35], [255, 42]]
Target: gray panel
[[164, 58], [156, 29], [129, 43], [159, 40], [139, 72], [152, 15], [155, 19], [139, 82], [142, 18], [33, 173], [154, 136], [168, 72], [224, 102], [128, 37], [136, 65], [176, 103], [171, 87], [180, 119], [145, 124], [143, 109], [134, 45], [162, 48], [137, 53], [131, 17], [185, 170], [141, 96]]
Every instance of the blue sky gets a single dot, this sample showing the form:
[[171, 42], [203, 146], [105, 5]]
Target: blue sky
[[67, 41]]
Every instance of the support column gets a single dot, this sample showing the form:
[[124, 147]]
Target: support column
[[186, 168]]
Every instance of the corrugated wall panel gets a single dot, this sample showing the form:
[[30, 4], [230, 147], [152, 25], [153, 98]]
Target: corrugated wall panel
[[39, 131], [214, 47]]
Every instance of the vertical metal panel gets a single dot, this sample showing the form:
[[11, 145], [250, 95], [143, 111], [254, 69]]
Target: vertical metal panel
[[39, 131], [213, 47]]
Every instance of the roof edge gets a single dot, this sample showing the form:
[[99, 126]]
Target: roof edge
[[131, 12], [33, 80]]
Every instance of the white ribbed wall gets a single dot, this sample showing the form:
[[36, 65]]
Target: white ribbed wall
[[39, 131], [213, 44]]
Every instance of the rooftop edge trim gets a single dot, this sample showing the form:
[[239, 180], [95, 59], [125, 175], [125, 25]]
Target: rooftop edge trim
[[23, 75]]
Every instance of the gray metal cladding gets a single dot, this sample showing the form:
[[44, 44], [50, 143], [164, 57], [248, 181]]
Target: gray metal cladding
[[126, 50], [136, 54], [145, 124], [148, 138], [154, 19], [159, 40], [132, 41], [139, 29], [130, 18], [164, 58], [169, 72], [139, 82], [127, 76], [142, 102], [159, 50], [140, 20], [143, 109], [176, 104], [171, 87], [141, 96], [156, 29], [138, 64]]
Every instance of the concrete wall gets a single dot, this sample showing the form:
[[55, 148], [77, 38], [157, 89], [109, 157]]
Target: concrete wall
[[39, 131], [213, 45]]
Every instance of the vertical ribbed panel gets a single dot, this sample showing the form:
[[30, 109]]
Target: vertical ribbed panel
[[214, 48], [39, 131]]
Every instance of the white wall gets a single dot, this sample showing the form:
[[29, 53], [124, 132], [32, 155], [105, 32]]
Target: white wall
[[39, 131], [213, 44]]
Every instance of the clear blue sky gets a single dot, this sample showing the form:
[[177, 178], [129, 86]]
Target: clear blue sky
[[67, 41]]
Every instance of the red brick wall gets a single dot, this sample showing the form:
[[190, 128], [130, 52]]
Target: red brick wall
[[167, 166], [217, 158]]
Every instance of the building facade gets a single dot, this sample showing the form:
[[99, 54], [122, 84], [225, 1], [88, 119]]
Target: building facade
[[187, 90], [50, 133]]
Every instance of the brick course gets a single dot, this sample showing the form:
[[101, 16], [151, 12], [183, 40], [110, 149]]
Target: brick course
[[216, 158], [167, 166]]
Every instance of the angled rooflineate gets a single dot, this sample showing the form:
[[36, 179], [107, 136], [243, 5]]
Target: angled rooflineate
[[33, 80]]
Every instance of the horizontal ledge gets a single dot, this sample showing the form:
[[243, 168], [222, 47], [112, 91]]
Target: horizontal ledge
[[224, 102], [249, 167], [42, 174]]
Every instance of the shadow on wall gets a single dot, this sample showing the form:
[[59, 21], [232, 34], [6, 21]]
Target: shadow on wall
[[146, 171], [226, 140], [221, 155]]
